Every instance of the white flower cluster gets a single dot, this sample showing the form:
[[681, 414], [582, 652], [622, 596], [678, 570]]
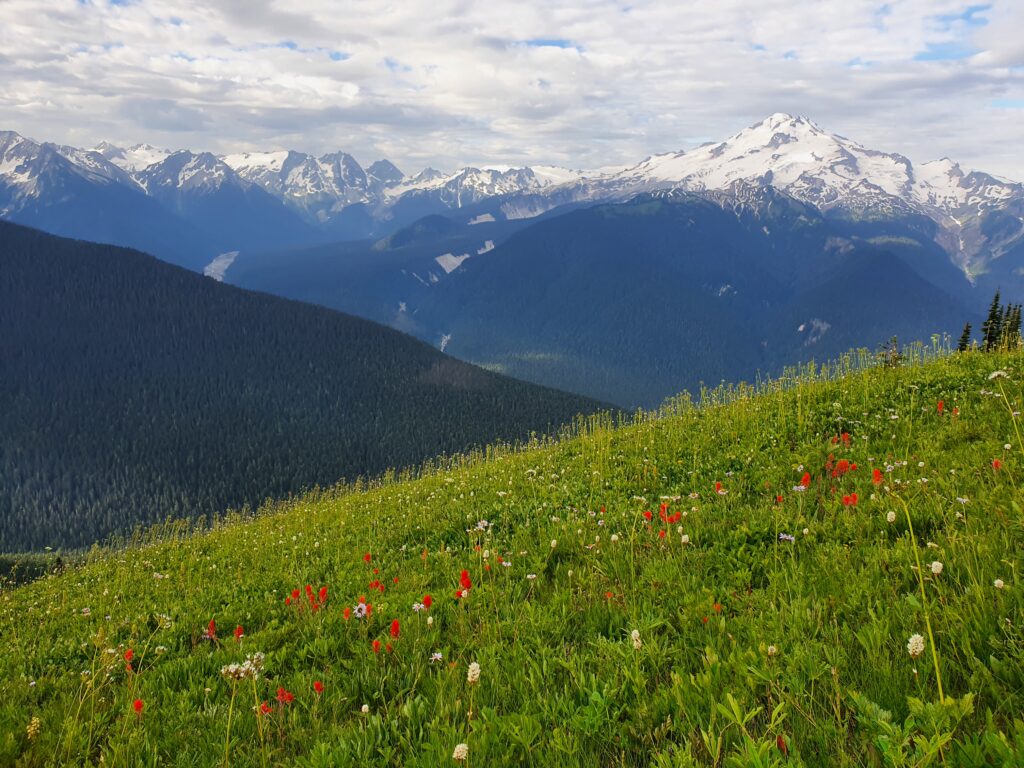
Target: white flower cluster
[[635, 637], [915, 646], [473, 673], [250, 669], [461, 752]]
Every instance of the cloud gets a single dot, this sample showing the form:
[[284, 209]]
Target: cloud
[[583, 83]]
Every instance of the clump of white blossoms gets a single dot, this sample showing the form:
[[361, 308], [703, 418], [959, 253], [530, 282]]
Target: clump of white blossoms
[[891, 517], [461, 752], [365, 709], [998, 584], [772, 650], [615, 537], [473, 673], [685, 539], [250, 669], [936, 567], [554, 543], [635, 637], [915, 646]]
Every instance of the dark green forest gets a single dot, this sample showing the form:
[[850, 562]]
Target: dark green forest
[[132, 391]]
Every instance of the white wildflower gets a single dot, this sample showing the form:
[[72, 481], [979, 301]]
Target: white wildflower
[[461, 752], [473, 673], [998, 584], [615, 537], [936, 567], [635, 637], [915, 646], [365, 709], [430, 620], [891, 517], [772, 650], [554, 543]]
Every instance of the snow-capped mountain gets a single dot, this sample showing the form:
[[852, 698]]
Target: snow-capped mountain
[[978, 219]]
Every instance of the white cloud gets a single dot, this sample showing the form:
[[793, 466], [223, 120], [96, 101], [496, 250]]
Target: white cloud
[[452, 82]]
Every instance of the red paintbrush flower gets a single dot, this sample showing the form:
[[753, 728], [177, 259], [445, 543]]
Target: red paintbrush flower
[[238, 633], [876, 476], [366, 557], [648, 514], [318, 687], [997, 464], [394, 629], [323, 595], [940, 406], [347, 613], [137, 705], [376, 646], [465, 581], [129, 655], [428, 601]]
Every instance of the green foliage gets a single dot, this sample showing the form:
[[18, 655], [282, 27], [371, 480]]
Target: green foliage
[[769, 631]]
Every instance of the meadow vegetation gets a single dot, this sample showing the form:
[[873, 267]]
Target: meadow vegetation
[[822, 570]]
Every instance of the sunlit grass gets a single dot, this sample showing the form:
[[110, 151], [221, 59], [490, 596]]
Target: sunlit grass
[[767, 631]]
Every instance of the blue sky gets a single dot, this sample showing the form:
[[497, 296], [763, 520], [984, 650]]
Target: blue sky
[[582, 83]]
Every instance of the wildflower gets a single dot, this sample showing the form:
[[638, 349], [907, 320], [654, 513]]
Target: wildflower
[[685, 539], [531, 576], [850, 501], [876, 476], [465, 581], [786, 537], [427, 601], [717, 607], [461, 752], [394, 629], [998, 375], [347, 613], [129, 655], [891, 516], [417, 607], [807, 531], [285, 696], [778, 499], [367, 557], [35, 725], [360, 610], [137, 706], [661, 534], [318, 687], [554, 543], [265, 708], [323, 595], [635, 637], [430, 620], [940, 406], [997, 464], [772, 651], [376, 646], [239, 633], [915, 646], [998, 584], [720, 490], [473, 673], [780, 743], [936, 567], [1007, 446], [648, 514], [435, 657], [615, 537]]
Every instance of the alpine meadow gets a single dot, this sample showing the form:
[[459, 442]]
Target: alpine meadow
[[557, 384]]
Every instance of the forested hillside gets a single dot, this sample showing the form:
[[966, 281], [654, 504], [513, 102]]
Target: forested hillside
[[132, 390]]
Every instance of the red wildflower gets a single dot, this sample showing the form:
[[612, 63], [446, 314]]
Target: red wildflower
[[778, 499], [394, 629], [211, 630], [718, 487], [780, 742], [704, 619], [238, 633], [265, 708], [285, 696], [388, 648], [997, 464], [137, 705], [428, 601], [129, 655], [347, 613], [295, 594], [805, 481], [661, 534], [876, 476], [318, 687], [464, 579], [648, 514], [841, 468], [940, 406], [376, 646], [288, 600], [366, 557], [323, 594], [850, 501], [609, 595], [717, 607]]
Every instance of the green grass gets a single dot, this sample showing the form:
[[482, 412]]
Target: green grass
[[746, 641]]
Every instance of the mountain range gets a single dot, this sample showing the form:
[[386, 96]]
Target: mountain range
[[207, 204], [132, 391]]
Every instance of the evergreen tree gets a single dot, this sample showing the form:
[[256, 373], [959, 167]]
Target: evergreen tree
[[992, 327], [965, 339]]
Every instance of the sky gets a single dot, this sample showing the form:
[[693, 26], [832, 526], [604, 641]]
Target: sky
[[577, 83]]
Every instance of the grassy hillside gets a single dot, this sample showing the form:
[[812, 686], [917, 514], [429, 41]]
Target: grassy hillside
[[132, 391], [660, 594]]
